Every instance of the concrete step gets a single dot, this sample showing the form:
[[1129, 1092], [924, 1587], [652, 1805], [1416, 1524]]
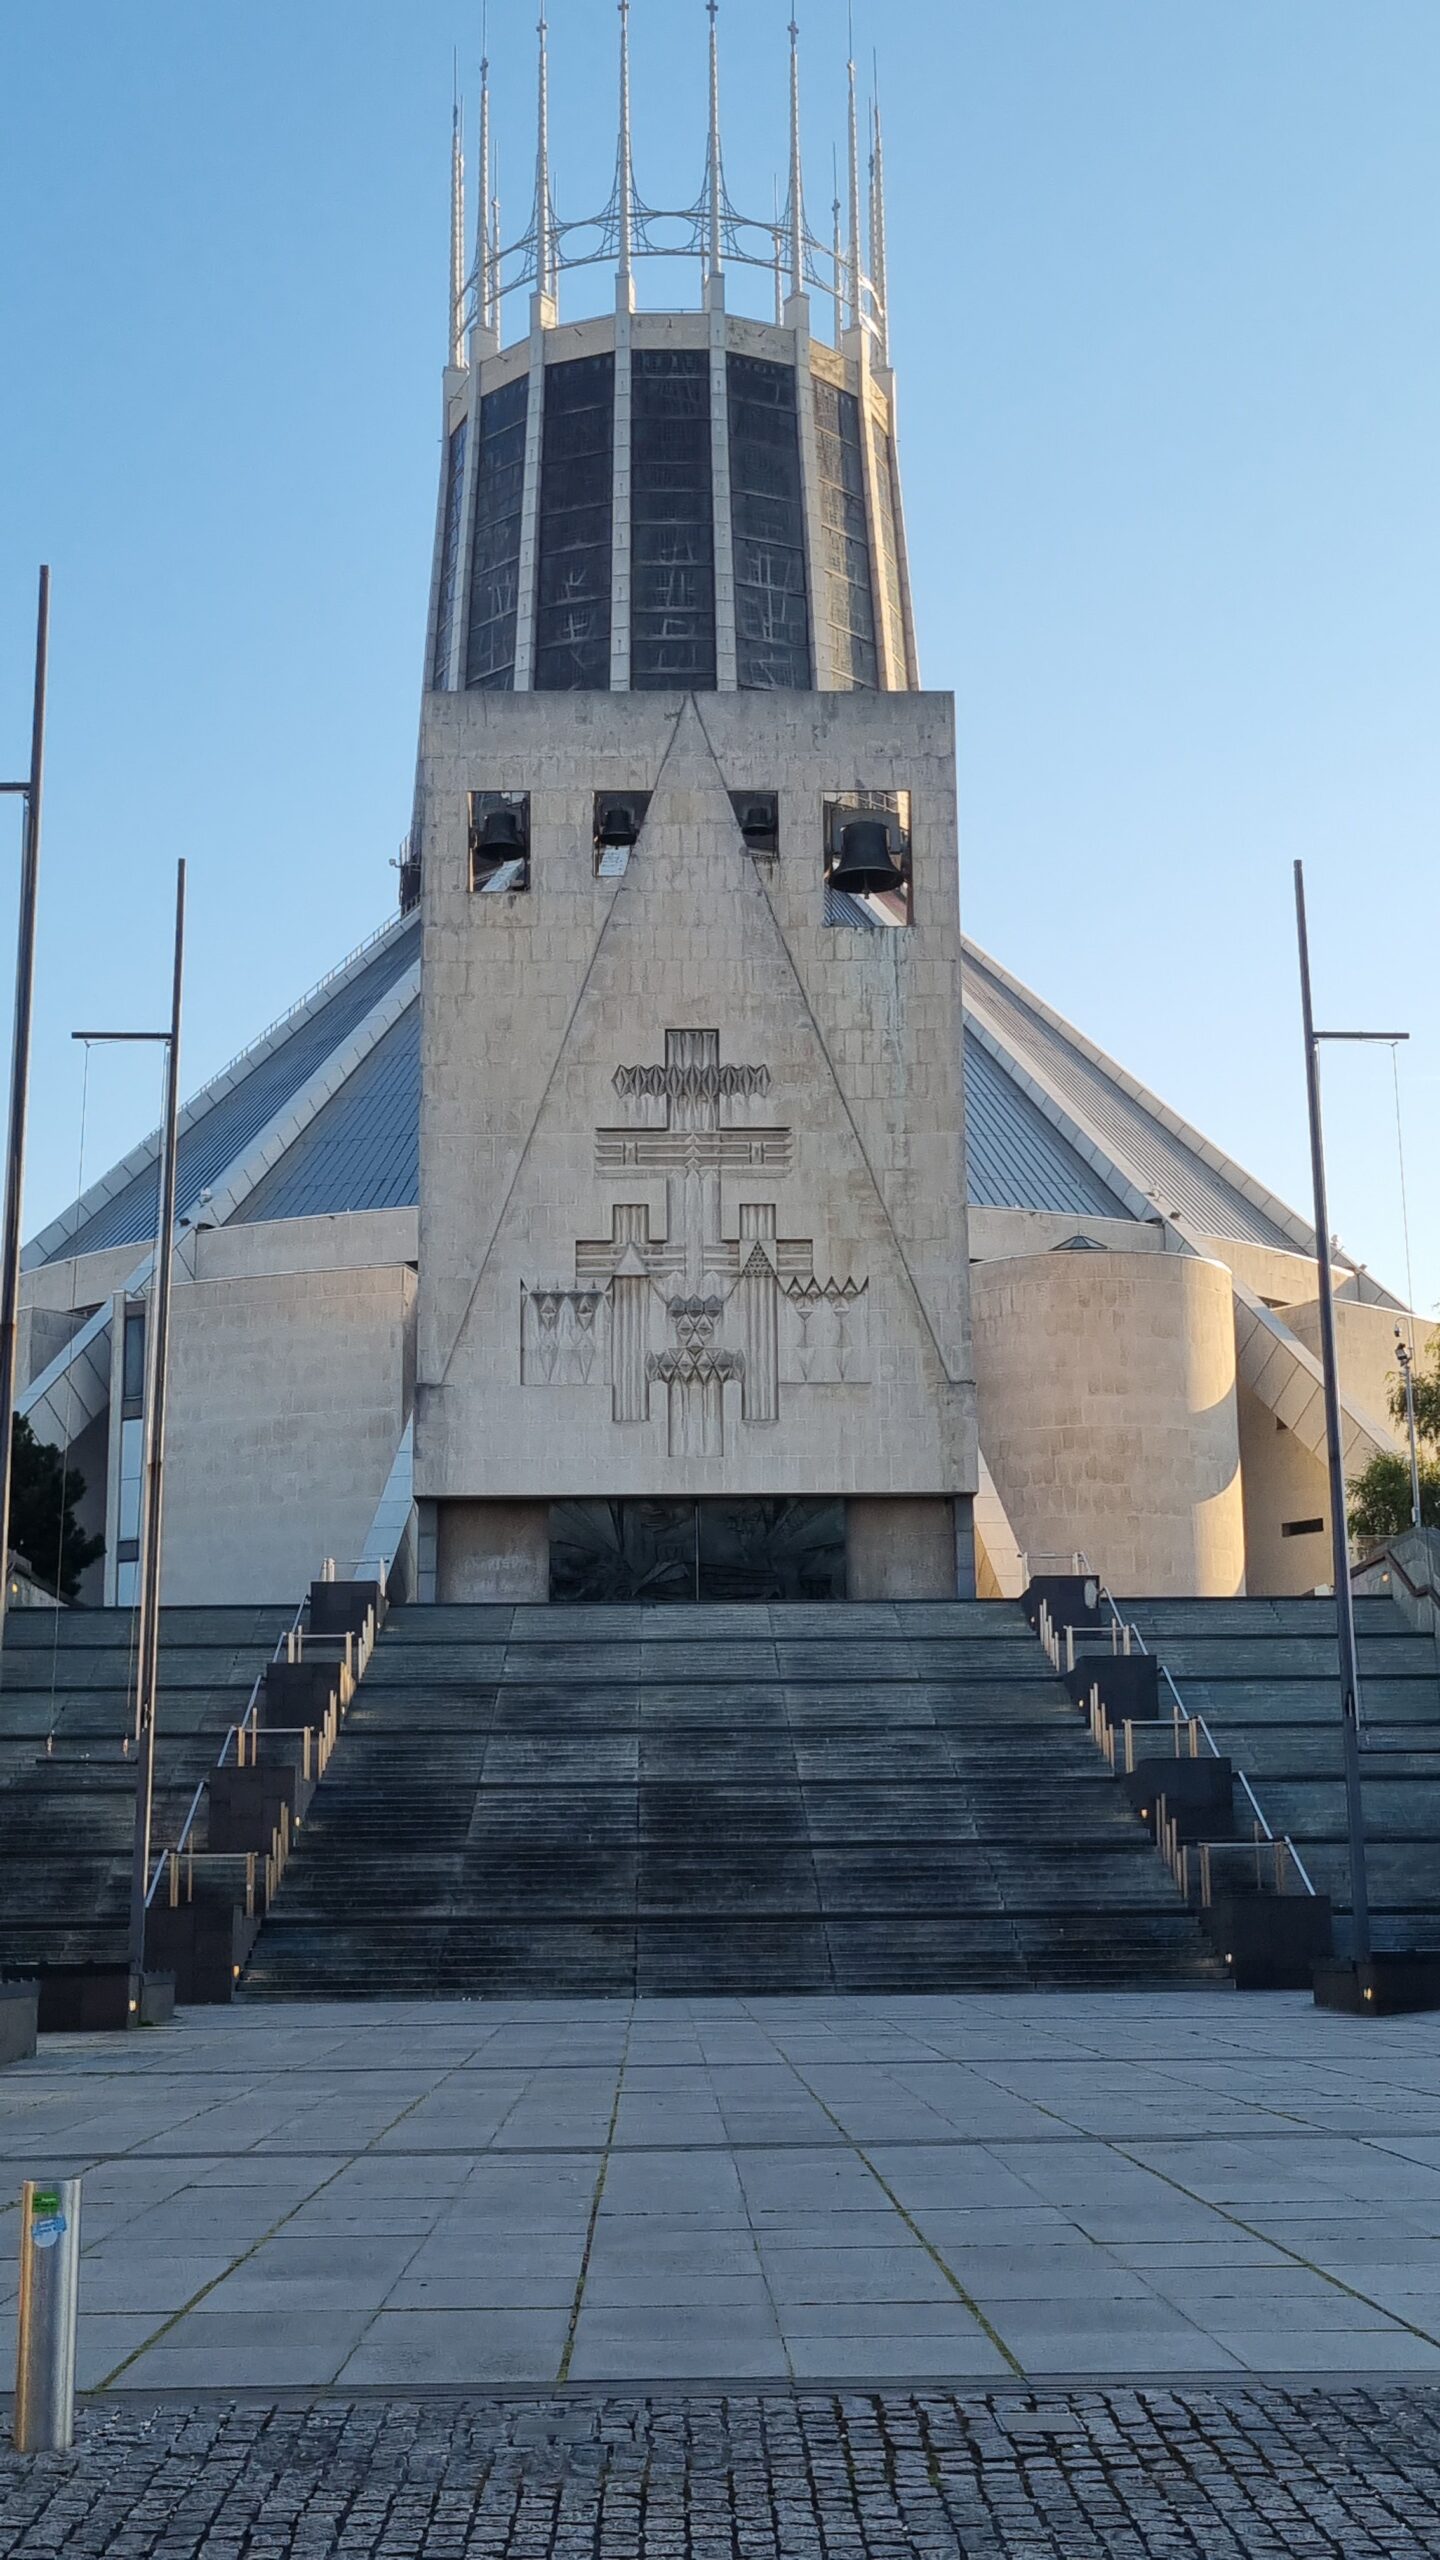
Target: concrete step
[[572, 1801]]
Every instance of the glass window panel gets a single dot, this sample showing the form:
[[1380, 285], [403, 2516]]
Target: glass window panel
[[672, 521], [132, 1377], [772, 618], [572, 621], [449, 557], [888, 542], [845, 541], [132, 1468], [495, 539]]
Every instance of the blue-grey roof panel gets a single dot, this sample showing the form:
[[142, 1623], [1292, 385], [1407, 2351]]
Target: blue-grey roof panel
[[362, 1149], [1162, 1164], [236, 1118], [1017, 1158]]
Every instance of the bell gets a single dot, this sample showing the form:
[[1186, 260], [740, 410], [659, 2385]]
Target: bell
[[865, 867], [618, 824], [758, 824], [502, 837]]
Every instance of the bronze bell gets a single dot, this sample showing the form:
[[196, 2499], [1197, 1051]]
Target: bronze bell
[[502, 837], [618, 824], [865, 866]]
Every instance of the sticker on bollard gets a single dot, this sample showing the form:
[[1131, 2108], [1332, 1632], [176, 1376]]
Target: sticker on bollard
[[44, 2419], [47, 2223]]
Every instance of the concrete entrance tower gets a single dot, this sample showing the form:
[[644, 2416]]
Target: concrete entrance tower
[[693, 1262]]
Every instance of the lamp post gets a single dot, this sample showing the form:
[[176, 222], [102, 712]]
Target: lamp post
[[1334, 1442], [31, 791], [157, 1365]]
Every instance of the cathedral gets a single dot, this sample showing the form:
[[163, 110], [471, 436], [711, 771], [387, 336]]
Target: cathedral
[[669, 1202]]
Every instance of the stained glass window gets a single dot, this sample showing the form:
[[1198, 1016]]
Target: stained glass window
[[449, 556], [772, 618], [495, 545], [672, 526], [889, 547], [845, 540], [572, 620]]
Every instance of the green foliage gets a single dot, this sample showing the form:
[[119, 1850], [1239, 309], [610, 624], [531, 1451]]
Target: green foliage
[[43, 1526], [1427, 1395], [1380, 1507]]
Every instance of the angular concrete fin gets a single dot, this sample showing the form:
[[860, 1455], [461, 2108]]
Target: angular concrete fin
[[691, 798]]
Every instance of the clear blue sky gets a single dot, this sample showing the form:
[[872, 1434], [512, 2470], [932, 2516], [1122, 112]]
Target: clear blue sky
[[1165, 277]]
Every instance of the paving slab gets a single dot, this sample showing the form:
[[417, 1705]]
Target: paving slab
[[610, 2192]]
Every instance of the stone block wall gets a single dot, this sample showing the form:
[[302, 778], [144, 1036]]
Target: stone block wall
[[692, 1195]]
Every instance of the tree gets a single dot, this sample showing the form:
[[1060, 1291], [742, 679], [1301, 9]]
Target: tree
[[44, 1490], [1380, 1504], [1381, 1501], [1426, 1385]]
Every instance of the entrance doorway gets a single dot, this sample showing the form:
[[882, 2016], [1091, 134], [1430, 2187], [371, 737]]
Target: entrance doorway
[[755, 1549]]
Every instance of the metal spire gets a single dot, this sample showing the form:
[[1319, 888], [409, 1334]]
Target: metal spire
[[625, 180], [838, 252], [495, 237], [714, 184], [856, 291], [879, 269], [482, 216], [797, 193], [544, 231], [457, 230]]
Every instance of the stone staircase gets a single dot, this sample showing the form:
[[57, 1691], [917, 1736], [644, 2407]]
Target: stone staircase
[[727, 1799], [67, 1790], [1263, 1675]]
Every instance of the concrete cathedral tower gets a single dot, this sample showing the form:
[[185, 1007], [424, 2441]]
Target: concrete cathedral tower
[[693, 1260]]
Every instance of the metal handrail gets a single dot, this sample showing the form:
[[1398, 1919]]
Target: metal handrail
[[1130, 1637], [354, 1658]]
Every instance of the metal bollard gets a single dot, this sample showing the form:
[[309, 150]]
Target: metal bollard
[[49, 2301]]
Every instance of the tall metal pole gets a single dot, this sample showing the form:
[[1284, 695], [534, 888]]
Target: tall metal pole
[[148, 1637], [20, 1082], [1339, 1535]]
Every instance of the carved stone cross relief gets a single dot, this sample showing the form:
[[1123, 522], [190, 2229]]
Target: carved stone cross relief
[[694, 1311]]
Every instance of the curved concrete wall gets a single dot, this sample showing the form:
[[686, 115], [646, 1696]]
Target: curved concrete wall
[[1106, 1387]]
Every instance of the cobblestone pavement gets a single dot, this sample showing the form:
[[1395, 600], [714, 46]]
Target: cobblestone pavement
[[1228, 2474]]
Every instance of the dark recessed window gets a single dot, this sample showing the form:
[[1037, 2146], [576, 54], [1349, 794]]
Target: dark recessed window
[[866, 849], [500, 841], [1301, 1528], [619, 817], [132, 1376], [759, 815]]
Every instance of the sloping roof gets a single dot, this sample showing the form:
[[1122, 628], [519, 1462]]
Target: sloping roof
[[362, 1149], [235, 1106], [1052, 1124], [1016, 1158], [1184, 1174]]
